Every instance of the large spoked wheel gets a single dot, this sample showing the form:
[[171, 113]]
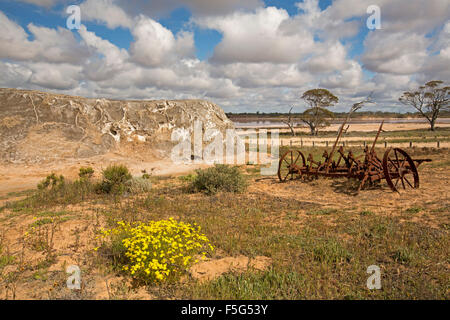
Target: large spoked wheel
[[290, 164], [400, 171]]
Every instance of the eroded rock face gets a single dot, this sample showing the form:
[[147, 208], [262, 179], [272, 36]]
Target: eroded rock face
[[38, 126]]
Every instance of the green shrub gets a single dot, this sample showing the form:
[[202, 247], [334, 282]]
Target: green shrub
[[86, 173], [52, 182], [188, 178], [219, 178], [146, 176], [115, 179]]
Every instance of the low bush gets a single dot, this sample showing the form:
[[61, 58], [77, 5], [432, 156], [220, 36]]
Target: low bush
[[221, 177], [157, 251], [115, 179], [86, 173], [139, 185], [52, 182]]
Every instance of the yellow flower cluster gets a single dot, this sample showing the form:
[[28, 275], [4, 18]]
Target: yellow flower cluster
[[160, 250]]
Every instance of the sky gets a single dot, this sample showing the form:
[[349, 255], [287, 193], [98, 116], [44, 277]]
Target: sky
[[244, 55]]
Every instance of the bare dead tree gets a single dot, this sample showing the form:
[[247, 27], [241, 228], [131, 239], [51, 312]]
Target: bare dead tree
[[354, 108], [289, 122]]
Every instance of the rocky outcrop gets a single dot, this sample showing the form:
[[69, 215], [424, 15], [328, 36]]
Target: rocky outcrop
[[38, 126]]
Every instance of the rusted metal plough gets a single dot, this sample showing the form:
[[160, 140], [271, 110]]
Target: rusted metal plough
[[396, 167]]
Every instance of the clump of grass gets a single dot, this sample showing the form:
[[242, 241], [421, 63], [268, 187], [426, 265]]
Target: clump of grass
[[320, 212], [413, 210], [115, 179], [270, 284], [5, 257], [187, 178], [221, 177], [403, 255], [139, 185], [41, 222], [366, 213], [331, 251], [6, 260]]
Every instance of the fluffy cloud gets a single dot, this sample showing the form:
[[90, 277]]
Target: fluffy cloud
[[105, 11], [50, 45], [395, 53], [258, 37], [14, 75], [328, 58], [155, 45], [111, 60], [17, 39], [60, 77], [349, 78]]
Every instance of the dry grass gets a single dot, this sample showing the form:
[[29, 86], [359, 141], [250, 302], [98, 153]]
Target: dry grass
[[319, 236]]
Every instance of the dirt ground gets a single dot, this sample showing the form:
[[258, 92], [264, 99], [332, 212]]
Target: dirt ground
[[19, 177]]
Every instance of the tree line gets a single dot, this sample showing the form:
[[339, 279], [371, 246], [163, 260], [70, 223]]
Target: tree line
[[430, 101]]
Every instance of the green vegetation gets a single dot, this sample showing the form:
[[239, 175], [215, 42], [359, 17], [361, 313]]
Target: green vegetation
[[115, 179], [414, 210], [86, 173], [139, 185], [219, 178], [52, 181], [325, 211]]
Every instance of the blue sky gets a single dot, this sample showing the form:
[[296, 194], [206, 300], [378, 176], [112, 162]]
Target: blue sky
[[178, 19], [245, 55]]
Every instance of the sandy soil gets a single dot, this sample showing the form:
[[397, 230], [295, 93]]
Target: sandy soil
[[18, 177], [367, 127]]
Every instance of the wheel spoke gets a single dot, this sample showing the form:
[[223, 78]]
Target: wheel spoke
[[395, 166], [408, 182], [403, 183], [286, 175], [297, 158], [396, 158]]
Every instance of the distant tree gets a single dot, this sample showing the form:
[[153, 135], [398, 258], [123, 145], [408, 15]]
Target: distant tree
[[316, 116], [429, 100]]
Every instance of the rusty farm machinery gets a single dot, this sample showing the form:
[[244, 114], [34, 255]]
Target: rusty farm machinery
[[396, 167]]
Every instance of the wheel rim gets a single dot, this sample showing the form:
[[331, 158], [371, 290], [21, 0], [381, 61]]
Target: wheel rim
[[289, 164], [400, 170]]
